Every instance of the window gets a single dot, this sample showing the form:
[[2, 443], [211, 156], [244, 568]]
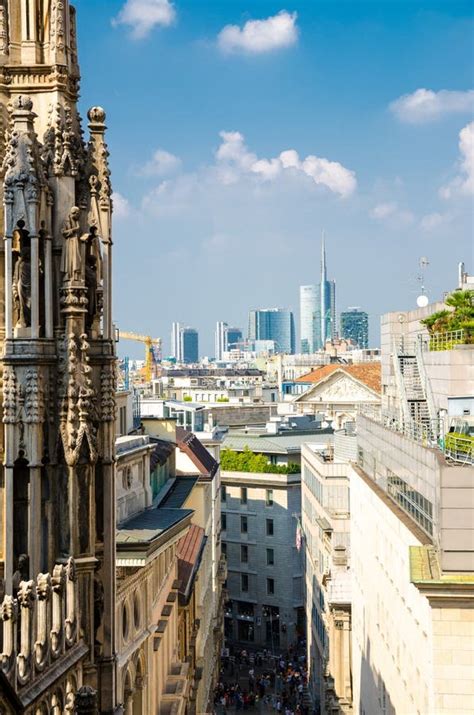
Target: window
[[244, 582], [223, 522], [224, 548], [223, 494], [270, 586], [243, 495], [269, 527], [269, 497], [244, 554], [270, 557], [244, 527]]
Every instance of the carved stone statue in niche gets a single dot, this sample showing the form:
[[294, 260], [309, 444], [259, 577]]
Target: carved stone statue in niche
[[71, 258], [21, 573], [91, 285], [22, 277], [98, 608], [93, 249]]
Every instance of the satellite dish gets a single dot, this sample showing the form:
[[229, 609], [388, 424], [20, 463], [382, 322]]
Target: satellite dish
[[422, 301]]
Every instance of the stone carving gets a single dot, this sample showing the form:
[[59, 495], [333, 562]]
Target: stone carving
[[78, 412], [98, 611], [62, 149], [108, 388], [91, 286], [34, 397], [340, 389], [22, 288], [26, 594], [86, 701], [10, 395], [3, 31], [71, 259], [57, 24], [21, 573], [43, 586]]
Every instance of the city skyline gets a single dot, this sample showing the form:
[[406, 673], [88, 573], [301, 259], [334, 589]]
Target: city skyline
[[233, 159]]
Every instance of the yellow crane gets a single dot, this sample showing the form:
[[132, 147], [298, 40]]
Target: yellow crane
[[149, 353]]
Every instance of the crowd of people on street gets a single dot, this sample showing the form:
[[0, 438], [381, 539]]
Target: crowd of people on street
[[276, 682]]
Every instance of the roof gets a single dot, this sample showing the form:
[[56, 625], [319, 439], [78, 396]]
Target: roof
[[275, 444], [161, 452], [369, 373], [150, 524], [189, 551], [196, 451], [179, 492]]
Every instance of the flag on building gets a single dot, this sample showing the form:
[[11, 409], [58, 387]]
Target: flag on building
[[299, 534]]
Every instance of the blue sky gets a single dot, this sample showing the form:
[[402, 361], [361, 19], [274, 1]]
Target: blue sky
[[232, 148]]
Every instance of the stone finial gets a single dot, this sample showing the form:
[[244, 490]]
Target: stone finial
[[86, 701], [96, 115], [24, 102]]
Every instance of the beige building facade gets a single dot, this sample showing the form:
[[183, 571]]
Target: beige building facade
[[412, 533]]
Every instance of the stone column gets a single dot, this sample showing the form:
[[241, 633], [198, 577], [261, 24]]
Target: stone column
[[8, 529], [34, 521], [48, 286], [8, 287]]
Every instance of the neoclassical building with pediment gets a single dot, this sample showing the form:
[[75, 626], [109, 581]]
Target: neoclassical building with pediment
[[339, 391]]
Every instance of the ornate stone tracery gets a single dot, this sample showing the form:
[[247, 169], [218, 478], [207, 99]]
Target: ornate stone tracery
[[57, 365]]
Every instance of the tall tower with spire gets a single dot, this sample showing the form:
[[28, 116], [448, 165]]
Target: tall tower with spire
[[327, 300], [57, 501]]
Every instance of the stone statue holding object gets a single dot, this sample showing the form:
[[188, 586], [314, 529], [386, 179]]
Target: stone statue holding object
[[71, 259], [22, 288]]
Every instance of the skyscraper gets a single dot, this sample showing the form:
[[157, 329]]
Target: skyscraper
[[225, 338], [274, 324], [327, 302], [184, 343], [355, 326], [175, 341], [189, 345], [309, 318], [219, 340]]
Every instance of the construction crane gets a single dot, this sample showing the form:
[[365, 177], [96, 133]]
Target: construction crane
[[152, 350]]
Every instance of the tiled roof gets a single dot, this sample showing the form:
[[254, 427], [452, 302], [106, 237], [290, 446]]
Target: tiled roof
[[179, 492], [149, 524], [161, 453], [196, 451], [189, 550], [370, 373]]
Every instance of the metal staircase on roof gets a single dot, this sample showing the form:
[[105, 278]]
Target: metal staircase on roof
[[412, 389]]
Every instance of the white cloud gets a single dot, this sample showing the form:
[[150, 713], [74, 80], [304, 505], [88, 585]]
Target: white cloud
[[121, 205], [144, 15], [382, 211], [233, 159], [463, 184], [259, 36], [161, 164], [424, 105], [391, 212], [432, 221]]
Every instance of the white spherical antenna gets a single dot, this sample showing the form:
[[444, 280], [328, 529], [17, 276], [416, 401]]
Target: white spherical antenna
[[422, 301]]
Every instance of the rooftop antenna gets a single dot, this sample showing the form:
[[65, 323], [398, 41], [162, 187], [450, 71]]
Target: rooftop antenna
[[422, 300]]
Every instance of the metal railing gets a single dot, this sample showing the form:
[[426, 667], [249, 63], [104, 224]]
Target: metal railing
[[459, 448], [426, 433], [447, 340]]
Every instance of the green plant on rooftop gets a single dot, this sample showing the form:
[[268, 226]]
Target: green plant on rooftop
[[222, 399], [187, 398], [248, 461], [460, 318]]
